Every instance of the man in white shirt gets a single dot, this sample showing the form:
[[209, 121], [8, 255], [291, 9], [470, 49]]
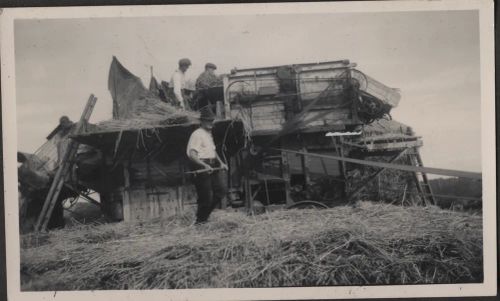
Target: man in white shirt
[[208, 180], [178, 81]]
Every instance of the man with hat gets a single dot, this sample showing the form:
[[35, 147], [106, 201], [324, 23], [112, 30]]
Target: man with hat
[[178, 81], [207, 165], [63, 130], [208, 79]]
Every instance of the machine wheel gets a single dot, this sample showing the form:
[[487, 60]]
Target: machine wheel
[[307, 205]]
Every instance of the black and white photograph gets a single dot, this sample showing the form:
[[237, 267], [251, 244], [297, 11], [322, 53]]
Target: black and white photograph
[[250, 151]]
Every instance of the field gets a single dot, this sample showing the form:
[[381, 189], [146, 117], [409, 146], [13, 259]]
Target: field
[[365, 244]]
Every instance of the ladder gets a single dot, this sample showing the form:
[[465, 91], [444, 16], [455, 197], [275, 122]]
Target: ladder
[[64, 169], [421, 180]]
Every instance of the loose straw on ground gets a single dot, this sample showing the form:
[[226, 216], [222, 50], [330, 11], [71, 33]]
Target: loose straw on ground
[[368, 244]]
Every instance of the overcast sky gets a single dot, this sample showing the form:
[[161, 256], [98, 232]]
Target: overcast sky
[[433, 57]]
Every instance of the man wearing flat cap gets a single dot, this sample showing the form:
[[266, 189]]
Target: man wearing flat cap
[[178, 82], [208, 167], [208, 79]]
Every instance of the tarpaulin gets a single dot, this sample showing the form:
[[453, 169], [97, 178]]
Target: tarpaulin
[[125, 89]]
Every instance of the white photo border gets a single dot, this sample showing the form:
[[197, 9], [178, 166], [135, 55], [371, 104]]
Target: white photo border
[[486, 19]]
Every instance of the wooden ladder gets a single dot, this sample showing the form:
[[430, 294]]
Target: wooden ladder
[[421, 180], [64, 169]]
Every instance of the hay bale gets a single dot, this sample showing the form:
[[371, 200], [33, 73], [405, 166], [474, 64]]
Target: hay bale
[[368, 244]]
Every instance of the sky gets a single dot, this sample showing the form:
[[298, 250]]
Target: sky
[[433, 57]]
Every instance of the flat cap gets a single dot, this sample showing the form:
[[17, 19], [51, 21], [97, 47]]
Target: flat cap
[[210, 65], [184, 62]]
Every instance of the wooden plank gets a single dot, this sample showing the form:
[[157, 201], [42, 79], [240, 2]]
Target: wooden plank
[[301, 67], [393, 145]]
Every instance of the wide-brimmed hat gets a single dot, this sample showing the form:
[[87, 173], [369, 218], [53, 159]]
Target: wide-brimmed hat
[[207, 114]]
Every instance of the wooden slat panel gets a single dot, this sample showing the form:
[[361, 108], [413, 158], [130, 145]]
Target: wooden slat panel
[[310, 87], [138, 200], [168, 201], [146, 204], [157, 172], [250, 85]]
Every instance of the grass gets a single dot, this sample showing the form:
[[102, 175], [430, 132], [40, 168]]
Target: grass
[[368, 244]]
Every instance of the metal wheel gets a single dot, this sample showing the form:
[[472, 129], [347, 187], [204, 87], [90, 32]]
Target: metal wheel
[[307, 205]]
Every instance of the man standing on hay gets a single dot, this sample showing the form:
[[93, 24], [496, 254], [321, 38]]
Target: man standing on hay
[[208, 167], [178, 82]]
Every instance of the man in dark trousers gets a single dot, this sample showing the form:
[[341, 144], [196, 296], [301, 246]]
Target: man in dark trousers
[[207, 165]]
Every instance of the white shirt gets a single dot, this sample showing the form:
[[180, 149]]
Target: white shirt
[[202, 141], [178, 82]]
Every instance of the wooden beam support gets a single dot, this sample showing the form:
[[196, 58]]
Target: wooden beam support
[[285, 171], [305, 161]]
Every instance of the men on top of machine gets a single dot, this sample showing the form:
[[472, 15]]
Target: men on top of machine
[[182, 95]]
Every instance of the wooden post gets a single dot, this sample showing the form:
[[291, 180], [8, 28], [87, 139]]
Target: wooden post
[[219, 109], [355, 95], [343, 169], [324, 166], [285, 171], [404, 195], [305, 167], [126, 193], [299, 95], [378, 188], [337, 143], [227, 105], [248, 194]]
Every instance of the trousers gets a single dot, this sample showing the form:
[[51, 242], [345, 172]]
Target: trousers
[[211, 189]]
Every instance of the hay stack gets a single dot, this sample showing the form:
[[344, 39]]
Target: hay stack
[[368, 244], [148, 112]]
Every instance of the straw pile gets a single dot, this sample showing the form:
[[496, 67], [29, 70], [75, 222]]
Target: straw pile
[[365, 244], [148, 112]]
